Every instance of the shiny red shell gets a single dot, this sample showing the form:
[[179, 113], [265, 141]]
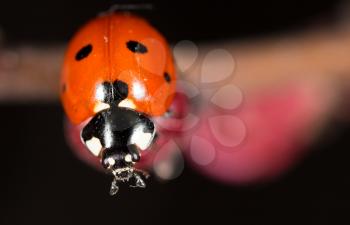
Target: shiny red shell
[[118, 46]]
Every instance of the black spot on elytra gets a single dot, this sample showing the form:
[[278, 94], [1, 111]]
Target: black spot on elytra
[[121, 90], [136, 47], [83, 52], [114, 93], [107, 92], [167, 77]]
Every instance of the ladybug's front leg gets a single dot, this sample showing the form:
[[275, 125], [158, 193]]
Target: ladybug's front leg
[[114, 187], [139, 182]]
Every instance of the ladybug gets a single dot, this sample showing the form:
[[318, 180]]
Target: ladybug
[[118, 75]]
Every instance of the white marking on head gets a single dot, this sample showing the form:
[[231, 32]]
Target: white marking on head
[[141, 139], [128, 158], [138, 90], [127, 103], [111, 161], [94, 145], [99, 106]]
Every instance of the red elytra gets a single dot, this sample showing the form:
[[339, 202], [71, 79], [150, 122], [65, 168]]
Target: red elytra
[[117, 46]]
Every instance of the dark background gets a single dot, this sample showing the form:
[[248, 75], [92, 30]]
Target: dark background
[[49, 21], [43, 183]]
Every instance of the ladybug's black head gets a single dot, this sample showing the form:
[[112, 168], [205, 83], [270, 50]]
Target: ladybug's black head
[[118, 135]]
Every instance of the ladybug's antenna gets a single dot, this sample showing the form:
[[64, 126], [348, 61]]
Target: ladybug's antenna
[[127, 8], [131, 7], [114, 187]]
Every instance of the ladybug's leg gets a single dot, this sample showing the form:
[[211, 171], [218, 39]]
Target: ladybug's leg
[[139, 182], [114, 187]]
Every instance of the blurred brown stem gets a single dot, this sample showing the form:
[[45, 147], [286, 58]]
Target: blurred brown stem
[[32, 73]]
